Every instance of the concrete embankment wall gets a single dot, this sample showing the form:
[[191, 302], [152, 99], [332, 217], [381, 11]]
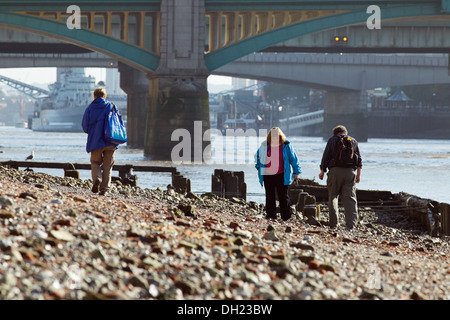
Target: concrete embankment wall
[[416, 125], [394, 124]]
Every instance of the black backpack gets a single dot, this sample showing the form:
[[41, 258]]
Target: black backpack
[[344, 152]]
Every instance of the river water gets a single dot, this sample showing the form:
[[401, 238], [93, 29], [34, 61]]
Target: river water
[[418, 167]]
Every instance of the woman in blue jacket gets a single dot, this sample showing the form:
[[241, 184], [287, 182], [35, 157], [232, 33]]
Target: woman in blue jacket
[[102, 152], [278, 167]]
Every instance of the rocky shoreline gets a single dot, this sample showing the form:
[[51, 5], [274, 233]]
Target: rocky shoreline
[[58, 240]]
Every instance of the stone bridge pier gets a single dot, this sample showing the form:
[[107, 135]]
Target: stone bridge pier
[[135, 85], [178, 118], [168, 110], [178, 114], [348, 108]]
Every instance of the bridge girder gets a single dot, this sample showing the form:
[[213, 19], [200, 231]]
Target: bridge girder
[[108, 45], [391, 39], [129, 31], [257, 42]]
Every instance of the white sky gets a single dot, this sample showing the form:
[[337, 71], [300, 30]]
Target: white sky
[[48, 75], [44, 75]]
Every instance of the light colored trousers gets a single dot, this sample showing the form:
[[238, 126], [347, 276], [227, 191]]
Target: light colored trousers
[[341, 184], [102, 161]]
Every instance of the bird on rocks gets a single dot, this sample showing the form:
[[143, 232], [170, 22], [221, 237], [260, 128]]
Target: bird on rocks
[[31, 156]]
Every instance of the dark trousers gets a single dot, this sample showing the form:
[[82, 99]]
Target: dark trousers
[[272, 184]]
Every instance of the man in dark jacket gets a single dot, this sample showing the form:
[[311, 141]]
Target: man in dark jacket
[[102, 152], [341, 179]]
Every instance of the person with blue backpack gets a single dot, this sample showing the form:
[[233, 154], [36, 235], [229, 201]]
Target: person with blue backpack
[[278, 167], [102, 151]]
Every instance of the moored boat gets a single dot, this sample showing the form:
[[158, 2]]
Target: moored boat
[[62, 110]]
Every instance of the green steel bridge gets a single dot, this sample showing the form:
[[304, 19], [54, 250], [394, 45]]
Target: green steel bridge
[[169, 47]]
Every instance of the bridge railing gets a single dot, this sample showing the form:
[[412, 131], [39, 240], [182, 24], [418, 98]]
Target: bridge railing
[[302, 120], [437, 60]]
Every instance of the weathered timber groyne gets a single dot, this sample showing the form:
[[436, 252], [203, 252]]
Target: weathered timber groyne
[[72, 169], [432, 215], [229, 184]]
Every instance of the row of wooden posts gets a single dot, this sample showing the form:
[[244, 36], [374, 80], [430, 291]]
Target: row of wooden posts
[[306, 197], [227, 184]]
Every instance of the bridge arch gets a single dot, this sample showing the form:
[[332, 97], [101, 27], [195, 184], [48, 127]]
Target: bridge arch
[[114, 48], [239, 49]]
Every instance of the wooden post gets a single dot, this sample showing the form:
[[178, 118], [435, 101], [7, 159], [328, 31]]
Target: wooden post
[[180, 183], [70, 171], [445, 219], [217, 187], [229, 184]]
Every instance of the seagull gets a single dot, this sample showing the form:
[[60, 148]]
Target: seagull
[[31, 156]]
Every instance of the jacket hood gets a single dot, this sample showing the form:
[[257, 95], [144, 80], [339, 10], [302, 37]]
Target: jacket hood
[[99, 103]]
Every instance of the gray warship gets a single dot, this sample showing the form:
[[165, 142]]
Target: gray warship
[[63, 108]]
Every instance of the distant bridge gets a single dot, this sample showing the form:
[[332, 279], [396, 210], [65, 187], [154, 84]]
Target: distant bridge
[[300, 121], [342, 71], [314, 70], [64, 60], [27, 89]]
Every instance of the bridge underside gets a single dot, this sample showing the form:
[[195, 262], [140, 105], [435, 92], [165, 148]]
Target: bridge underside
[[403, 36], [62, 48]]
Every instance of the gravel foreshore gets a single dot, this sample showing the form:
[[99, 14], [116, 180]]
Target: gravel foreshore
[[58, 240]]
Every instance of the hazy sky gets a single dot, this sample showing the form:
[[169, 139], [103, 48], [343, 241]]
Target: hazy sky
[[48, 75]]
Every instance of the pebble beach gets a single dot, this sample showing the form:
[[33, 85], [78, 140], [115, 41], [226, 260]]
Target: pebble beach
[[60, 241]]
